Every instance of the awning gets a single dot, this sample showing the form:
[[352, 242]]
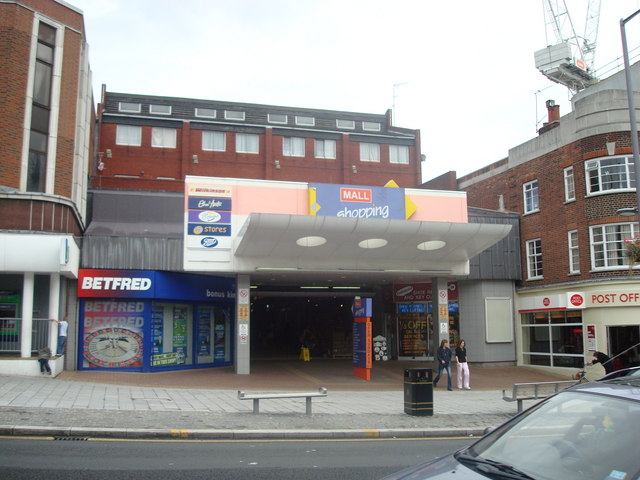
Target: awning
[[334, 244]]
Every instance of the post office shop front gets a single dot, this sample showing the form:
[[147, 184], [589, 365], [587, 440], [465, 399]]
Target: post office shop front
[[138, 320]]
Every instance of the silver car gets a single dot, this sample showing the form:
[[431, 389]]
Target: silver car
[[588, 432]]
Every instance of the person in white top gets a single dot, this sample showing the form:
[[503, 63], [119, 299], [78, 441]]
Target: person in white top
[[62, 335]]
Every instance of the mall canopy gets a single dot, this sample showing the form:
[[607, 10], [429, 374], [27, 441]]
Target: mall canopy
[[337, 244]]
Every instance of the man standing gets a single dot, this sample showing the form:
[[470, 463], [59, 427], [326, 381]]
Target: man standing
[[62, 335]]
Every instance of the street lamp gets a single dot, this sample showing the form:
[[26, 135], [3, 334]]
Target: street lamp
[[630, 211]]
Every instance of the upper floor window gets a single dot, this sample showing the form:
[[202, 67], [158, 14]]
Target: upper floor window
[[160, 109], [41, 108], [205, 112], [348, 124], [305, 121], [293, 147], [214, 141], [530, 194], [325, 148], [371, 126], [247, 143], [369, 152], [399, 154], [574, 253], [569, 185], [129, 107], [608, 247], [233, 115], [163, 137], [534, 259], [611, 173], [128, 135], [276, 118]]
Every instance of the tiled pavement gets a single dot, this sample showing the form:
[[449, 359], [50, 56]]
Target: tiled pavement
[[204, 403]]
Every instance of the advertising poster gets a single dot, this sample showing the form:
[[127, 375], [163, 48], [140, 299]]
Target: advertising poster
[[222, 321], [204, 333], [112, 333], [180, 334], [157, 314], [412, 324]]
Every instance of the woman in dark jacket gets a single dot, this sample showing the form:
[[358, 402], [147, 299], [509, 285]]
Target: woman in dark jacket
[[444, 363]]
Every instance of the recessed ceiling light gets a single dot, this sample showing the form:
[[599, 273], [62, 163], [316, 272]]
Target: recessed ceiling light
[[311, 241], [373, 243], [431, 245]]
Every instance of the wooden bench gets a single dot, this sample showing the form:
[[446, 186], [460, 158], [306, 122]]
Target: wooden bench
[[535, 391], [256, 397]]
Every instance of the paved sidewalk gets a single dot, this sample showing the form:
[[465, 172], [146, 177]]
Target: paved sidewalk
[[90, 404]]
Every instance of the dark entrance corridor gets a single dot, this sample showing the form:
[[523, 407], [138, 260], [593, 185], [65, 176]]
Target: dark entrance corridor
[[281, 324]]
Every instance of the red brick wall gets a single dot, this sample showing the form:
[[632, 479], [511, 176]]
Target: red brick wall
[[16, 24], [556, 217], [178, 162]]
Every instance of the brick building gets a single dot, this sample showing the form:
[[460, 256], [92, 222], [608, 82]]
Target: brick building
[[578, 292], [152, 143], [45, 136]]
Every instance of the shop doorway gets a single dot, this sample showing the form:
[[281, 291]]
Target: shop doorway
[[622, 339], [281, 324]]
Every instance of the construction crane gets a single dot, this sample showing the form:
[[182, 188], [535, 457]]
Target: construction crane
[[570, 61]]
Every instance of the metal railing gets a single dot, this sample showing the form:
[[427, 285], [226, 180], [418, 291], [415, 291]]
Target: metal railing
[[11, 334]]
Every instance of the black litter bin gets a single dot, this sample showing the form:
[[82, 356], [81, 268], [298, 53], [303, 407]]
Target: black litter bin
[[418, 391]]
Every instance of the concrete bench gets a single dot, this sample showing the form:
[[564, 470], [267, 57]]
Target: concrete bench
[[535, 391], [256, 397]]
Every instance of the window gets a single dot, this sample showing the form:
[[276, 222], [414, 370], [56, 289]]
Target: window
[[325, 149], [41, 108], [214, 141], [530, 192], [371, 126], [399, 154], [574, 253], [349, 124], [534, 259], [128, 135], [553, 338], [306, 121], [293, 147], [276, 118], [129, 107], [231, 115], [205, 113], [246, 143], [163, 137], [569, 185], [369, 152], [608, 245], [611, 173], [160, 109]]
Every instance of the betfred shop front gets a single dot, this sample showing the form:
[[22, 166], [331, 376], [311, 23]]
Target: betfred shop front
[[138, 320]]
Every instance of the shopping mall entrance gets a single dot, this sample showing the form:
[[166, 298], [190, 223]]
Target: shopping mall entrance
[[280, 325]]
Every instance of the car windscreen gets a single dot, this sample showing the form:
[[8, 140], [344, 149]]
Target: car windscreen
[[572, 436]]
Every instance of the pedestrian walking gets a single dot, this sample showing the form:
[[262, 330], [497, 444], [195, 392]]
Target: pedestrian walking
[[62, 335], [44, 354], [462, 365], [444, 363]]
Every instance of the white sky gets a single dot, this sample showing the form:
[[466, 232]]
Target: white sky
[[464, 69]]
